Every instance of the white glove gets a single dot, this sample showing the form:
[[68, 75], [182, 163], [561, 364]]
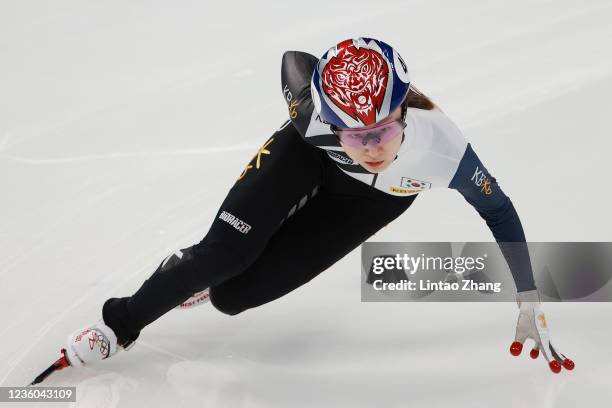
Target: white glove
[[532, 324]]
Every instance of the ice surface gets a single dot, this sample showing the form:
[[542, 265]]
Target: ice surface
[[123, 124]]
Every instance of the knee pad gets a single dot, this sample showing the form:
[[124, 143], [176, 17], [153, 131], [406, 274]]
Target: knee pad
[[182, 262], [182, 256], [203, 265]]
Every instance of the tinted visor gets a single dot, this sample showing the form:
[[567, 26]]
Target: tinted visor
[[377, 135]]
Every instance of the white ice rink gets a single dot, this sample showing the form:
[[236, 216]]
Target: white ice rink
[[124, 123]]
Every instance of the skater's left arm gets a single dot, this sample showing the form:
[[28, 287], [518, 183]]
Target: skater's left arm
[[482, 191]]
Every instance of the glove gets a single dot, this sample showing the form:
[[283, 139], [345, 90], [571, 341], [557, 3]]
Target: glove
[[532, 324]]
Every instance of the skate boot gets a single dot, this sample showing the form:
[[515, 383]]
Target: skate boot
[[92, 344]]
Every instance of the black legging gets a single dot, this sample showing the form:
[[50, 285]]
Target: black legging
[[291, 215]]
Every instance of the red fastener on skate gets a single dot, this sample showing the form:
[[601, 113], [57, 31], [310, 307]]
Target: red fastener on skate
[[59, 364]]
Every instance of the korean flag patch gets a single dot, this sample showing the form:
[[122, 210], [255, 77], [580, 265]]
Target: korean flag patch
[[411, 183]]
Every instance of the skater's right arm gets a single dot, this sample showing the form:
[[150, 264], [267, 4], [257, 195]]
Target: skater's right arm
[[296, 71]]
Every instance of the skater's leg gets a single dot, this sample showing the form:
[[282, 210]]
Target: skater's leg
[[316, 237], [284, 173]]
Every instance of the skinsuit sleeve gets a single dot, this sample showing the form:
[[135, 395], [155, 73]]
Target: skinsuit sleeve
[[481, 190]]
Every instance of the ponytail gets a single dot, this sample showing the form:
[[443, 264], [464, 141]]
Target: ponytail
[[415, 99]]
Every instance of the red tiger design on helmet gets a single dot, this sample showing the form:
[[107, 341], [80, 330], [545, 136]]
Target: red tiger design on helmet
[[355, 80]]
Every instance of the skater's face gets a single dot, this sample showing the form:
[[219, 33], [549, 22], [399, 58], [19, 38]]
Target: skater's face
[[377, 153]]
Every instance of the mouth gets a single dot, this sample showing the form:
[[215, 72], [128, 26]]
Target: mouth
[[375, 164]]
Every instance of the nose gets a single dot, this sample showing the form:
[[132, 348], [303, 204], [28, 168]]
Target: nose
[[373, 150]]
